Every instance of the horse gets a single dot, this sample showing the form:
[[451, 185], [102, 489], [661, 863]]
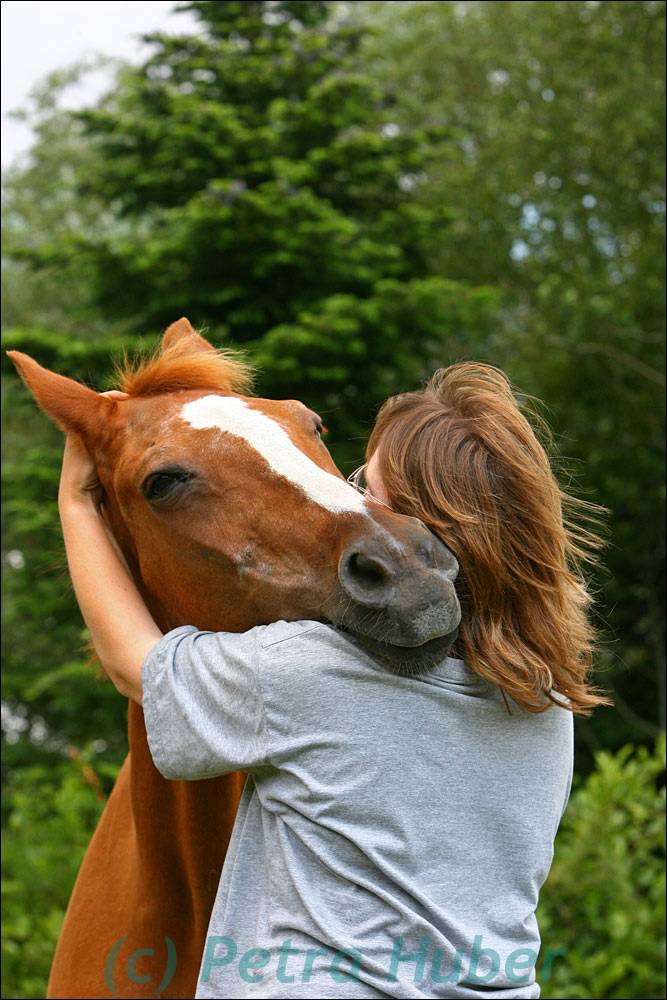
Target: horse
[[229, 512]]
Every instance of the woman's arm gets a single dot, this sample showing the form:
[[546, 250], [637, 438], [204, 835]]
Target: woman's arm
[[121, 626]]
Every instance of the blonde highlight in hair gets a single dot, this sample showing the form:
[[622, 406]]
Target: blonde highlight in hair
[[462, 456]]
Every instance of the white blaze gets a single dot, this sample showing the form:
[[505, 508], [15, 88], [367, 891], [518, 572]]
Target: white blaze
[[233, 416]]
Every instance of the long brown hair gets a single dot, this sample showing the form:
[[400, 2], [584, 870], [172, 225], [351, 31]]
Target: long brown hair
[[462, 456]]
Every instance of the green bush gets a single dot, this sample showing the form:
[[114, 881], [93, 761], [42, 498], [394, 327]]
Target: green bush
[[50, 812], [604, 901]]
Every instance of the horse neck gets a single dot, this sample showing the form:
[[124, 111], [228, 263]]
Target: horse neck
[[116, 523], [182, 828], [143, 769]]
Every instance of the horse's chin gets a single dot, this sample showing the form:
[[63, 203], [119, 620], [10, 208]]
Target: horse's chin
[[407, 659]]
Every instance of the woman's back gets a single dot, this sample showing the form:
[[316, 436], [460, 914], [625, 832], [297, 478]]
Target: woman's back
[[394, 832]]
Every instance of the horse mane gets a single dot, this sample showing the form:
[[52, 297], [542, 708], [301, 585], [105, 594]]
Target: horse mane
[[182, 365]]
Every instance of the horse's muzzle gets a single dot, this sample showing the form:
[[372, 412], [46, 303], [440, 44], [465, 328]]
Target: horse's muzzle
[[398, 582]]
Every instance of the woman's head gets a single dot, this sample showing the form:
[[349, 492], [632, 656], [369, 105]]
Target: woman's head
[[461, 455]]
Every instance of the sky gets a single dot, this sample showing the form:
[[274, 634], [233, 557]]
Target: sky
[[40, 37]]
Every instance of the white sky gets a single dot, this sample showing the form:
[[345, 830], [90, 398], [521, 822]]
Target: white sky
[[40, 37]]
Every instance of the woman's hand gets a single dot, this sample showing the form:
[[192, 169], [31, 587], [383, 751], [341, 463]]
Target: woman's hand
[[78, 477], [79, 484]]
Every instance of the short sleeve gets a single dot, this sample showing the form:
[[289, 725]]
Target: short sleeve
[[202, 703]]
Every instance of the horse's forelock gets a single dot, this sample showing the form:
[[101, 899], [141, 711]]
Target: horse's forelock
[[171, 368]]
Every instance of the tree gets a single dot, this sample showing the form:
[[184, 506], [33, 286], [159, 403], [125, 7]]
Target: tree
[[557, 190], [244, 175], [256, 181]]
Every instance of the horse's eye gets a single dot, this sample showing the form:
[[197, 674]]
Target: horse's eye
[[164, 484]]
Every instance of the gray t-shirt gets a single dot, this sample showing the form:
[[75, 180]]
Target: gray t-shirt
[[394, 832]]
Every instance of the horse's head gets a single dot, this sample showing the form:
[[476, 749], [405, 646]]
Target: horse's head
[[231, 512]]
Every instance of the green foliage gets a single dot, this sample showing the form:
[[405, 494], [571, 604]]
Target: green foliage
[[51, 809], [604, 901], [39, 615], [253, 183]]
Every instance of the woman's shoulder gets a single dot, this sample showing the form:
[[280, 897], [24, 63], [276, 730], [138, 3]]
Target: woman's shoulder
[[308, 633]]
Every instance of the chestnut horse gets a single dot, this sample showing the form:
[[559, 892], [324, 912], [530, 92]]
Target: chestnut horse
[[230, 513]]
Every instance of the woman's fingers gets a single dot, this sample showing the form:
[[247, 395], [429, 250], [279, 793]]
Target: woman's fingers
[[115, 394]]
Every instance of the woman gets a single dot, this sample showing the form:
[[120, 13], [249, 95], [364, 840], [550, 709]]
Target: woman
[[395, 830]]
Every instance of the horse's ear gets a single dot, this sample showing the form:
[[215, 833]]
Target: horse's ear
[[182, 338], [73, 406]]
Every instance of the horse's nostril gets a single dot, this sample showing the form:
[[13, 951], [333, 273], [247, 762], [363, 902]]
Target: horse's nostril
[[366, 578], [369, 572]]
